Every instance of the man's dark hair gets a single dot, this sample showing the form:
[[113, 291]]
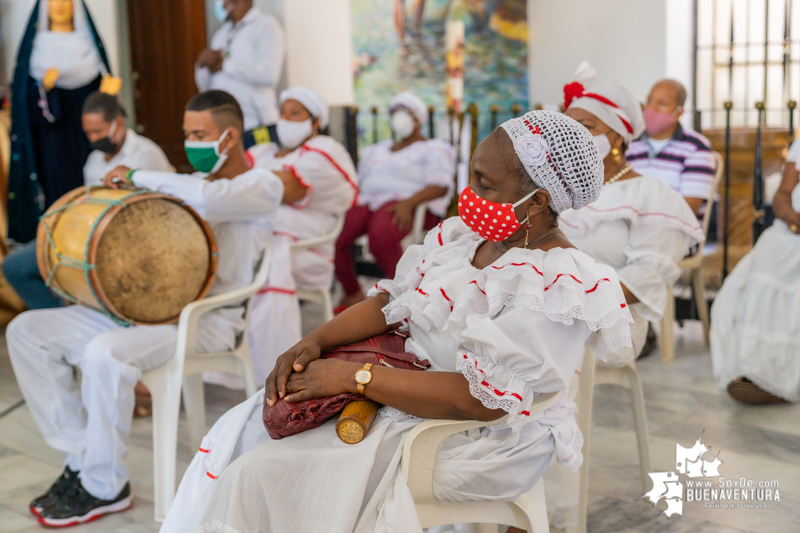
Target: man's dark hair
[[225, 110], [104, 104]]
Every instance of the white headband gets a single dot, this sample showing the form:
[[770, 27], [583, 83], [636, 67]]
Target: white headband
[[313, 103], [413, 103]]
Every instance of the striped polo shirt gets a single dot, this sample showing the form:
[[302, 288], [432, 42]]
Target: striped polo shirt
[[685, 163]]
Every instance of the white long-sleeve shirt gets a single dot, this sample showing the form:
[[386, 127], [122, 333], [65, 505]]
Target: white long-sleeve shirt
[[254, 52], [136, 152], [241, 213]]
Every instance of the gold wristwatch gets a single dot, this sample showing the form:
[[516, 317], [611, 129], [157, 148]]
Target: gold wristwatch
[[363, 376]]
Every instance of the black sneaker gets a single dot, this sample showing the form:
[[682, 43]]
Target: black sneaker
[[58, 488], [77, 506]]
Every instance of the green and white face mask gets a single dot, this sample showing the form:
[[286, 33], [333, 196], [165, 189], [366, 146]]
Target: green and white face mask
[[204, 156]]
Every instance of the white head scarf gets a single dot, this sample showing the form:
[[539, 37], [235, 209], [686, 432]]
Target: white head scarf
[[413, 103], [313, 103], [559, 155], [612, 103], [73, 53]]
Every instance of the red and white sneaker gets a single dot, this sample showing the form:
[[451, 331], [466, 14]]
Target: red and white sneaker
[[77, 506], [57, 489]]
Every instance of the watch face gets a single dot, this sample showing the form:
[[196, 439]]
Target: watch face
[[363, 376]]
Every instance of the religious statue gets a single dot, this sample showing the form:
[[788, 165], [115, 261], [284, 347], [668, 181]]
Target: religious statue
[[61, 60]]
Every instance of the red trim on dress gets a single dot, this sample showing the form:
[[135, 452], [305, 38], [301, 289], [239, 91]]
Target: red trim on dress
[[212, 476], [265, 290], [203, 450], [336, 165], [447, 298], [250, 161], [309, 188], [491, 387], [287, 234]]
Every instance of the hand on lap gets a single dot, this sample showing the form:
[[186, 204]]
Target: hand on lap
[[293, 360], [321, 379]]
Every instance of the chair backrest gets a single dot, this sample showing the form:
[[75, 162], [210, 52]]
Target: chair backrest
[[331, 236], [712, 194]]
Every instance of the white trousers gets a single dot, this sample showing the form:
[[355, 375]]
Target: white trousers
[[90, 421]]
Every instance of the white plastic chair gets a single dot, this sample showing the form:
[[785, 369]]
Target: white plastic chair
[[319, 295], [417, 234], [591, 374], [184, 370], [528, 512], [693, 264]]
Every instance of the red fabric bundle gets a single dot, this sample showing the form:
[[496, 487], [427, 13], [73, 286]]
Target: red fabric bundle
[[285, 419]]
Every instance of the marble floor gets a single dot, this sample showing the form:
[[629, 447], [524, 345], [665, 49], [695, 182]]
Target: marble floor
[[683, 402]]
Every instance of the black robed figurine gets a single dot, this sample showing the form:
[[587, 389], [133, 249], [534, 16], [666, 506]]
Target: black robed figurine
[[61, 60]]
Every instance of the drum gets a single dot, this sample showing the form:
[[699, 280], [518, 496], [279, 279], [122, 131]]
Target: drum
[[138, 256]]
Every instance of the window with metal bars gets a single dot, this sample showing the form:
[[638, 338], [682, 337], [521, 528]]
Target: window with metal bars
[[746, 51]]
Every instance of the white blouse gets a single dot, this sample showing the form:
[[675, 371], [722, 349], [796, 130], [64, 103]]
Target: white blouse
[[387, 176], [642, 228]]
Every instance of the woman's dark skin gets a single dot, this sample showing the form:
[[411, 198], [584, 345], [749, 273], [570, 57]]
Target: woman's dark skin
[[610, 165], [299, 374]]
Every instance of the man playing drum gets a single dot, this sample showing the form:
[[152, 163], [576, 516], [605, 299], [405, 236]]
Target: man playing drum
[[90, 421]]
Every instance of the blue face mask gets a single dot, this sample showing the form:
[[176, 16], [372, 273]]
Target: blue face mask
[[219, 10]]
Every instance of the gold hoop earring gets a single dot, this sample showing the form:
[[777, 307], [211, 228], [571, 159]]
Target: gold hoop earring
[[617, 157]]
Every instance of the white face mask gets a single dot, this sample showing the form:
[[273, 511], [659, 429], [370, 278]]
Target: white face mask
[[602, 144], [402, 124], [291, 134]]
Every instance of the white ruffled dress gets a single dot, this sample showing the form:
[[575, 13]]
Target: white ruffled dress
[[515, 329], [641, 227], [755, 319]]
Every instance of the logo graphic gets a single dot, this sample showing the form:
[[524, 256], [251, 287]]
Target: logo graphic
[[689, 464]]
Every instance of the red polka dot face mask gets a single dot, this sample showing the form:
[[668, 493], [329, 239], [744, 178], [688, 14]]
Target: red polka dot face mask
[[493, 221]]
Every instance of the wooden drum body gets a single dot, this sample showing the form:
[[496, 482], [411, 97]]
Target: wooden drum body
[[138, 256]]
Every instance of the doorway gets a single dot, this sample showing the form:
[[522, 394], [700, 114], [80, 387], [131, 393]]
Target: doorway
[[165, 39]]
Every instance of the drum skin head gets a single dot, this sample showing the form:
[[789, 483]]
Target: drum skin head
[[152, 258], [140, 256]]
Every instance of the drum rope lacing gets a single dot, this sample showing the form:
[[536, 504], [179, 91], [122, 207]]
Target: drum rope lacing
[[85, 266]]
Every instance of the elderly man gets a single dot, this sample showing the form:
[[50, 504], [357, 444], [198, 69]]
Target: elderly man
[[680, 158], [245, 59]]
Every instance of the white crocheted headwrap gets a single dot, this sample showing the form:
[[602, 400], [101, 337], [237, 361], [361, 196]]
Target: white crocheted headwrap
[[560, 157]]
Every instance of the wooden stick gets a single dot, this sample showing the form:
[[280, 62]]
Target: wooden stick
[[355, 420]]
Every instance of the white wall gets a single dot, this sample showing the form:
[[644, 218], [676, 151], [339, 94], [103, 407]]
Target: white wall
[[14, 16], [625, 41], [319, 48]]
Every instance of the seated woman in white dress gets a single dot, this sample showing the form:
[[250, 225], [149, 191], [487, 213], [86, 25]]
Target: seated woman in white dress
[[395, 177], [755, 323], [320, 182], [638, 225], [499, 302], [319, 185]]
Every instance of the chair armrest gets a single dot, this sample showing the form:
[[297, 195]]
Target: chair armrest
[[423, 441], [191, 313]]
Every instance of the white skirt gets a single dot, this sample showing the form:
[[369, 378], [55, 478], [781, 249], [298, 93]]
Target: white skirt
[[241, 481], [755, 319]]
